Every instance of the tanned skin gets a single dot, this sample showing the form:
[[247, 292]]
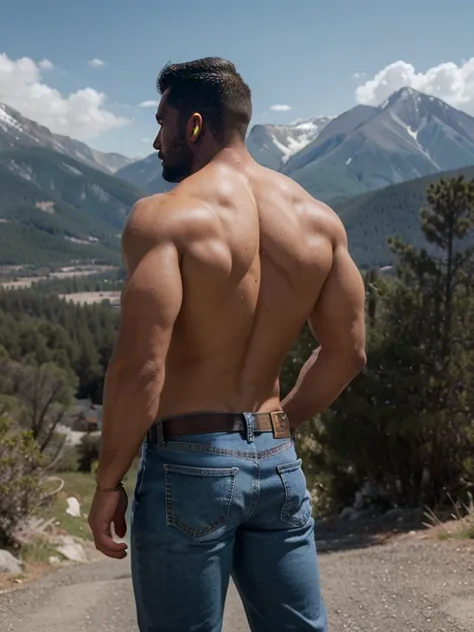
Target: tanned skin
[[223, 272]]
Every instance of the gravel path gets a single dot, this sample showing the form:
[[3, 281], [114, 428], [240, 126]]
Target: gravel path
[[408, 585]]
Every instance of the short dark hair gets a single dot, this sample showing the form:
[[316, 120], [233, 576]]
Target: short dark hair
[[213, 87]]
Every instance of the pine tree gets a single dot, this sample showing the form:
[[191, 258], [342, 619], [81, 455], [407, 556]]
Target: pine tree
[[406, 421]]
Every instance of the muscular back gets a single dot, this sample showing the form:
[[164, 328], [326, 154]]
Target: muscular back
[[255, 250]]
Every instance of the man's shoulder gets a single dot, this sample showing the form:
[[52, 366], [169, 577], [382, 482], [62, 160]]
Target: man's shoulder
[[318, 213], [157, 210], [328, 222], [174, 216], [316, 217]]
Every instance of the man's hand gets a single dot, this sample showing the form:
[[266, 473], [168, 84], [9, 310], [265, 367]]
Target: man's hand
[[108, 508]]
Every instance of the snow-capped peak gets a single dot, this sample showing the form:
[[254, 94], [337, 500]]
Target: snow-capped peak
[[19, 131], [273, 145], [7, 121]]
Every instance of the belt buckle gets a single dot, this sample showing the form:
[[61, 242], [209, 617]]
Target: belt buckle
[[280, 424]]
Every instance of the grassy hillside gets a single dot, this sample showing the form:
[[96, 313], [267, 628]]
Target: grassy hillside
[[372, 218], [21, 244], [54, 209]]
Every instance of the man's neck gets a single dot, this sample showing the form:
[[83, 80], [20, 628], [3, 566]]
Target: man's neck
[[232, 154]]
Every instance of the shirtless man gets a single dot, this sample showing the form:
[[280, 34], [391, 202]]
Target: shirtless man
[[223, 272]]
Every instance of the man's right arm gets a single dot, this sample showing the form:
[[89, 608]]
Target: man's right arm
[[338, 324]]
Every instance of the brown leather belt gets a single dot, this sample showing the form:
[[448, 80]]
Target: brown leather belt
[[198, 423]]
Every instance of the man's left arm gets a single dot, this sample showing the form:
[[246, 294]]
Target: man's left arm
[[151, 302]]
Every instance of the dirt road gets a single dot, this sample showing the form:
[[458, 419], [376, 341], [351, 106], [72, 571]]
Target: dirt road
[[408, 585]]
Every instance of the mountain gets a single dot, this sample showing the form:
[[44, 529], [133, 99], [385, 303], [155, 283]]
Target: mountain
[[16, 131], [58, 203], [54, 209], [270, 145], [370, 219], [59, 199], [273, 145], [409, 136], [146, 175]]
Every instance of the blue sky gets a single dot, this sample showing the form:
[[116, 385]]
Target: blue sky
[[302, 54]]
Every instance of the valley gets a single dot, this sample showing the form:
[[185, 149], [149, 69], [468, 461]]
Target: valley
[[89, 298], [80, 285], [12, 277]]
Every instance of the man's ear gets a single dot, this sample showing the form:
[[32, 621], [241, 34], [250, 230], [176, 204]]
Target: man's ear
[[194, 127]]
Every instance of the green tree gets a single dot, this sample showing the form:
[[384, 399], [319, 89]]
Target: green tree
[[45, 392], [406, 422]]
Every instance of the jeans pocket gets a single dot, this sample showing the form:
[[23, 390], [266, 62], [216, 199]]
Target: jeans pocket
[[198, 499], [296, 508]]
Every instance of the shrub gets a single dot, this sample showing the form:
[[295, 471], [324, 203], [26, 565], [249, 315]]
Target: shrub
[[69, 460], [88, 451], [20, 464]]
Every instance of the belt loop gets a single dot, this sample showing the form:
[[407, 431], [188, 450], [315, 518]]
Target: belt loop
[[249, 419], [155, 434], [160, 433]]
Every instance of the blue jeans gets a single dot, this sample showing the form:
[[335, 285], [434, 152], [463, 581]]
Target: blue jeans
[[210, 506]]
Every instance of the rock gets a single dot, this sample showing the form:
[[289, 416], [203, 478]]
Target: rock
[[71, 549], [73, 552], [9, 564], [346, 513], [349, 513], [54, 560], [73, 507], [368, 489], [359, 501], [395, 512]]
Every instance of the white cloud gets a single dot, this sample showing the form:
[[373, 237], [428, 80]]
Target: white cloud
[[96, 63], [45, 64], [358, 75], [148, 104], [280, 108], [450, 82], [81, 114], [147, 140]]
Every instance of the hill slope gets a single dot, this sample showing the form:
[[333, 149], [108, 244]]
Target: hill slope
[[54, 209], [146, 175], [372, 218]]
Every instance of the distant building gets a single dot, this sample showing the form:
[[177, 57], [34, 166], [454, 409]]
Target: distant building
[[84, 416]]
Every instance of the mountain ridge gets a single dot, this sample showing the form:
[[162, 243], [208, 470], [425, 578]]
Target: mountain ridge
[[410, 135], [57, 203], [17, 130], [273, 145], [365, 148]]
